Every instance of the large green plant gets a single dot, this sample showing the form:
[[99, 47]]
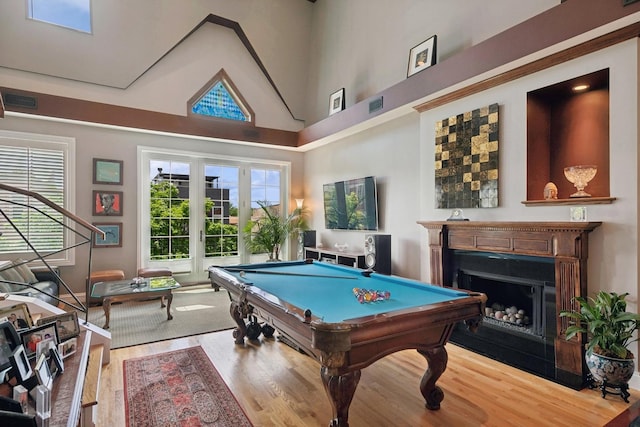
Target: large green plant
[[605, 320], [270, 231]]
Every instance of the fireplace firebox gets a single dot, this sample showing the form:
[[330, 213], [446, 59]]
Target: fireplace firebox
[[557, 250], [519, 327]]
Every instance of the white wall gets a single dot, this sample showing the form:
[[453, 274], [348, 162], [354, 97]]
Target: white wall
[[363, 45], [401, 154], [390, 153]]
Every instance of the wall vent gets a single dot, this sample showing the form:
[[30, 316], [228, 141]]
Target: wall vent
[[20, 101], [375, 105]]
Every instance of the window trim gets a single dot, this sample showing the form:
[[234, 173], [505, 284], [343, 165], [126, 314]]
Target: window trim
[[68, 146]]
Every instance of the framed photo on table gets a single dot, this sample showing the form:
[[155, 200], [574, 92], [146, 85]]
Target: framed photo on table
[[20, 364], [18, 315], [112, 235], [67, 324], [31, 337], [107, 171], [67, 348], [107, 203], [422, 56], [336, 101]]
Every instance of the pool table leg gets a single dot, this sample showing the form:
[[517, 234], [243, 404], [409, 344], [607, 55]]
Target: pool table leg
[[241, 331], [437, 359], [340, 389]]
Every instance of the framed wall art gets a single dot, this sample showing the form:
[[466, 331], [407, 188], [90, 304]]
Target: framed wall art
[[112, 235], [466, 159], [107, 171], [422, 56], [107, 203], [336, 101]]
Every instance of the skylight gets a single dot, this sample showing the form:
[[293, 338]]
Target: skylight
[[74, 14]]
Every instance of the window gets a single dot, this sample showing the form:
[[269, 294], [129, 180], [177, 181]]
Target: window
[[193, 207], [220, 99], [41, 164], [74, 14]]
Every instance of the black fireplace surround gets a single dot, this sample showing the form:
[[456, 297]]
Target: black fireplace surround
[[521, 281]]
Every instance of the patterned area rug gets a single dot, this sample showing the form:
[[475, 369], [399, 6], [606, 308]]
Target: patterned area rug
[[196, 310], [178, 388]]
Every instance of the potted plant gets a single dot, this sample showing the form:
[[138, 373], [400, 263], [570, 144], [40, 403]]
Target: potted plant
[[270, 230], [609, 329]]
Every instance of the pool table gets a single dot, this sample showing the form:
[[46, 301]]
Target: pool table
[[313, 304]]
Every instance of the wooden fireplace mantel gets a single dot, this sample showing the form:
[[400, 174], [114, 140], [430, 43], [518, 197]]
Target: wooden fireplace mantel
[[566, 242]]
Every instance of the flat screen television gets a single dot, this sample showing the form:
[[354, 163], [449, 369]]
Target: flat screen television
[[351, 205]]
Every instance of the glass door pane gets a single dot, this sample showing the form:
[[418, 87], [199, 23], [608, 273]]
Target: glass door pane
[[221, 201], [169, 210]]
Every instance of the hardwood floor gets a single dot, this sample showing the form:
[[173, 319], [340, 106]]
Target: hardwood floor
[[278, 386]]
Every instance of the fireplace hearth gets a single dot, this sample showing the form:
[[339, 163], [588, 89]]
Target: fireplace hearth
[[543, 263]]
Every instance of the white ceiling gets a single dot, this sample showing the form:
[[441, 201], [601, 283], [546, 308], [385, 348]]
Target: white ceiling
[[128, 37]]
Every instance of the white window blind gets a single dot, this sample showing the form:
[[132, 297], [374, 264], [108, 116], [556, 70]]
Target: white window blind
[[42, 171]]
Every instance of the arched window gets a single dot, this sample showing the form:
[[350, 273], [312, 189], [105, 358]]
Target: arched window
[[220, 99]]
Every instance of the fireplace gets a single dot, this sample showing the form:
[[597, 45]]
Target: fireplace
[[519, 327], [537, 267]]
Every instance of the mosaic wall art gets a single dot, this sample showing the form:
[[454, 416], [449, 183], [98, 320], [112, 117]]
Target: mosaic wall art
[[466, 157]]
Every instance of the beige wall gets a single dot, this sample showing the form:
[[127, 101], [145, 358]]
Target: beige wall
[[401, 154], [95, 142], [363, 45]]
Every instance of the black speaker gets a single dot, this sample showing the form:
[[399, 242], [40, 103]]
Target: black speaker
[[377, 252], [309, 238]]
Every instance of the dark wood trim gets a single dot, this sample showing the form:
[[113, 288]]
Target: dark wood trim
[[545, 30], [95, 112], [566, 242], [594, 45], [576, 201]]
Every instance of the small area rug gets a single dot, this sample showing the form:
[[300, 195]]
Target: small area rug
[[196, 310], [178, 388]]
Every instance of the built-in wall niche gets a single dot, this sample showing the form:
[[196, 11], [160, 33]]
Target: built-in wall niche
[[568, 126]]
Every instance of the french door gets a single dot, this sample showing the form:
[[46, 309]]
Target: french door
[[193, 209]]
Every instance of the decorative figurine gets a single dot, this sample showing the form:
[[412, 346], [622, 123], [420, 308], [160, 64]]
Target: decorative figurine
[[550, 191]]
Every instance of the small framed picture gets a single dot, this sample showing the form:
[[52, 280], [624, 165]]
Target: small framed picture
[[67, 324], [42, 372], [107, 171], [422, 56], [107, 203], [20, 364], [56, 364], [31, 337], [18, 315], [112, 235], [336, 101], [67, 348], [43, 347], [578, 213]]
